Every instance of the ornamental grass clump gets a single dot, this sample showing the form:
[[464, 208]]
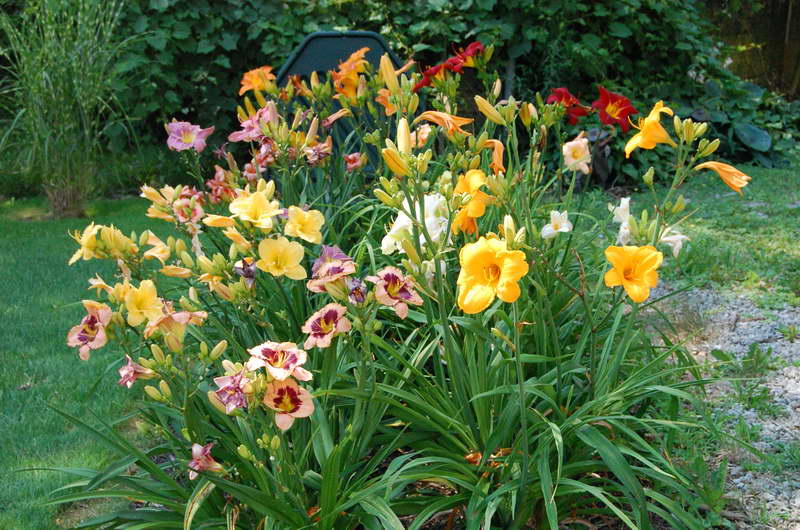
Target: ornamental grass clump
[[325, 343]]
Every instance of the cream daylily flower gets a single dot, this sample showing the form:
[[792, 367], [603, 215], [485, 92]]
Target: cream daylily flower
[[559, 222]]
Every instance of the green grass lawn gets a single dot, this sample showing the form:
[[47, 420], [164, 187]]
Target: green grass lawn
[[39, 302]]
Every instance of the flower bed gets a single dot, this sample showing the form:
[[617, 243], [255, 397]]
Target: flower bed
[[462, 343]]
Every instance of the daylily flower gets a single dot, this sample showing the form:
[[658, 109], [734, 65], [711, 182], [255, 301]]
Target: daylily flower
[[117, 244], [330, 277], [257, 79], [324, 325], [188, 211], [435, 220], [305, 224], [159, 250], [255, 208], [498, 149], [346, 79], [203, 461], [289, 401], [559, 222], [280, 359], [172, 325], [577, 156], [634, 268], [452, 124], [354, 161], [574, 108], [231, 391], [471, 182], [319, 151], [246, 268], [251, 126], [420, 135], [383, 99], [356, 290], [328, 254], [614, 108], [468, 55], [735, 179], [651, 132], [173, 271], [90, 334], [396, 290], [673, 240], [281, 257], [220, 187], [131, 371], [237, 238], [328, 122], [88, 243], [142, 303], [183, 135], [622, 212], [489, 269]]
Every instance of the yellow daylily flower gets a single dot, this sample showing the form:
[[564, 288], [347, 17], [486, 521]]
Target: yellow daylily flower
[[256, 208], [281, 257], [142, 303], [305, 224], [651, 132], [87, 242], [489, 270]]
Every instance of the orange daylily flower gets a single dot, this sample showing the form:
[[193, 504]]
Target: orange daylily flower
[[383, 99], [257, 79], [735, 179], [345, 80], [449, 122], [651, 132], [497, 156], [634, 268]]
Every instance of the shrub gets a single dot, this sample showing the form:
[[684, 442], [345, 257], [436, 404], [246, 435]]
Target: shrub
[[472, 359]]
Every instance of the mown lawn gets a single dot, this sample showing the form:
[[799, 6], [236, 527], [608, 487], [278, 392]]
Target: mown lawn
[[39, 302]]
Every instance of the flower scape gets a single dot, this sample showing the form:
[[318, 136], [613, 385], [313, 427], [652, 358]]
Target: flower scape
[[364, 330]]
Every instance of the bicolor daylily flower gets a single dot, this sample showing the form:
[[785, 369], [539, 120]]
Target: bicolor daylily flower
[[184, 135], [331, 277], [324, 325], [280, 359], [252, 125], [559, 222], [203, 461], [131, 371], [231, 391], [356, 290], [396, 290], [90, 334], [172, 325], [614, 108], [289, 401]]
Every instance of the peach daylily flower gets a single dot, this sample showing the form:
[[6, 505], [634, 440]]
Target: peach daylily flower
[[732, 177], [90, 334], [634, 268], [324, 325], [452, 124]]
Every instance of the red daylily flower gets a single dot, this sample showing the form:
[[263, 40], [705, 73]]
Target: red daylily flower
[[574, 108], [614, 108]]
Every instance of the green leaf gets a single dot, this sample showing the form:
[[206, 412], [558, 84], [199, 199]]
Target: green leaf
[[204, 46], [200, 493], [229, 40], [376, 506], [753, 137], [618, 29], [181, 30], [157, 40]]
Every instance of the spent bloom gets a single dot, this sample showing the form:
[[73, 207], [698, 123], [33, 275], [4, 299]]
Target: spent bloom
[[131, 371], [559, 222], [289, 401], [246, 268], [172, 325], [231, 390], [634, 268], [577, 156], [324, 325], [735, 179], [354, 161], [90, 334], [251, 126], [614, 108], [356, 290], [651, 132], [622, 215], [574, 109], [88, 243], [488, 270], [674, 240], [203, 461], [280, 359], [183, 135], [396, 290]]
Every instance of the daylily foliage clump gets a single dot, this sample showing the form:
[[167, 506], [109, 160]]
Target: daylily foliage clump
[[374, 313]]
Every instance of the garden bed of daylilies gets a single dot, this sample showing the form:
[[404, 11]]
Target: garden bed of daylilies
[[367, 314]]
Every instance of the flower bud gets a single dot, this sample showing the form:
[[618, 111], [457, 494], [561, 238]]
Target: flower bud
[[384, 197], [678, 126], [158, 353], [185, 434], [403, 137], [700, 130], [388, 74], [193, 295], [497, 88], [275, 444], [395, 163], [648, 177], [710, 148], [475, 162], [410, 251], [519, 238], [205, 264], [480, 143], [180, 246], [165, 390], [244, 452], [215, 402], [413, 103], [488, 110], [509, 227], [153, 393], [218, 350], [680, 204], [186, 259]]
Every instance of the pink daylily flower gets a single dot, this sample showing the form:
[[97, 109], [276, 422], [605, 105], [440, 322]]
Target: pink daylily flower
[[251, 127], [231, 391], [354, 161], [203, 461], [132, 371], [90, 334], [396, 290], [280, 359], [324, 325], [184, 135], [289, 401], [172, 325]]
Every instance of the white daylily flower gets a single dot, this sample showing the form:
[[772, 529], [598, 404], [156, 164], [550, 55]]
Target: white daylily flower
[[624, 235], [623, 211], [558, 223], [436, 215], [674, 241]]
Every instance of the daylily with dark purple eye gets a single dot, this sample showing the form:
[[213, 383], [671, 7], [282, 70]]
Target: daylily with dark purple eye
[[324, 325], [203, 461], [246, 268], [356, 290], [328, 254], [289, 401], [132, 371], [395, 290], [231, 391], [184, 135], [280, 359], [90, 334]]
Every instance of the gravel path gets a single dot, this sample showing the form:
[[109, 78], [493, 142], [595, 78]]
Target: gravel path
[[770, 498]]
